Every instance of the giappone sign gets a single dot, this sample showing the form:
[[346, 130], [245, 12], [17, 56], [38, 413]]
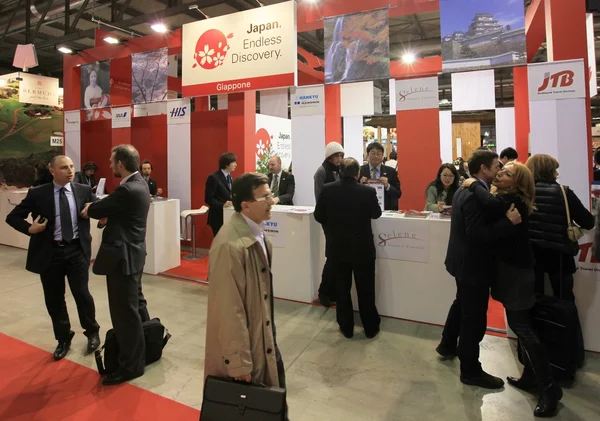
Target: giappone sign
[[250, 50]]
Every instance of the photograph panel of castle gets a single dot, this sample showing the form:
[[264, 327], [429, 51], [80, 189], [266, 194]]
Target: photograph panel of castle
[[482, 34]]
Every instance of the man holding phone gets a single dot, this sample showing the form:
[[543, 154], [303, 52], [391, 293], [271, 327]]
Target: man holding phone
[[59, 246]]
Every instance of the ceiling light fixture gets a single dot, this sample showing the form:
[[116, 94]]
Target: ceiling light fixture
[[65, 50], [111, 40], [161, 28], [409, 58], [196, 8]]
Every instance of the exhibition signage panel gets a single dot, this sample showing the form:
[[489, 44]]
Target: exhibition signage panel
[[273, 137], [250, 50], [399, 239], [56, 141], [417, 94], [275, 229], [121, 117], [380, 190], [150, 109], [39, 90], [309, 100], [556, 80], [72, 121], [178, 111]]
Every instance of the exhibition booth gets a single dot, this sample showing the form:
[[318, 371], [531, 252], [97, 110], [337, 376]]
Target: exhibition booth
[[185, 97]]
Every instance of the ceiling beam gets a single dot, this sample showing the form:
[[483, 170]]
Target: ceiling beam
[[78, 16], [419, 26], [121, 12], [42, 19], [10, 21]]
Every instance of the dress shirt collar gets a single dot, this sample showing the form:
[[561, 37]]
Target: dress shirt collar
[[278, 175], [483, 182], [225, 173], [124, 180], [378, 168], [57, 187], [257, 230]]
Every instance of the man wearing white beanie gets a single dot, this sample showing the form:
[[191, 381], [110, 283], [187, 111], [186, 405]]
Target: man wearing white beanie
[[328, 172]]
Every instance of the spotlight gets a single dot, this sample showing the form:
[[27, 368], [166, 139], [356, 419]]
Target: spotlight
[[161, 28], [111, 40], [65, 50], [409, 58]]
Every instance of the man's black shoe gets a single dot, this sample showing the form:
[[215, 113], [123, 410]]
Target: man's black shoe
[[325, 301], [446, 351], [63, 347], [372, 334], [347, 334], [120, 376], [484, 380], [93, 342]]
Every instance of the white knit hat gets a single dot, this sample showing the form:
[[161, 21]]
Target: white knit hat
[[333, 148]]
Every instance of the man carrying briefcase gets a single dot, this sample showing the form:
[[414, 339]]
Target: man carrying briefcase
[[240, 331]]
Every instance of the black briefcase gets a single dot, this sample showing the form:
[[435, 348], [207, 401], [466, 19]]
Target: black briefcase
[[155, 336], [228, 400]]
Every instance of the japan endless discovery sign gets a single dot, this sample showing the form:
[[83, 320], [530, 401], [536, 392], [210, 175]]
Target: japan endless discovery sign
[[250, 50]]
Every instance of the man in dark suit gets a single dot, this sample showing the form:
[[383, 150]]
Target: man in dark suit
[[282, 183], [146, 169], [59, 245], [345, 208], [375, 170], [87, 175], [217, 192], [121, 258], [470, 260]]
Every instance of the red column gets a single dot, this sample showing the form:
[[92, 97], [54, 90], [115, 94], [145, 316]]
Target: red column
[[566, 39], [241, 130], [522, 128], [333, 114], [202, 103], [419, 131]]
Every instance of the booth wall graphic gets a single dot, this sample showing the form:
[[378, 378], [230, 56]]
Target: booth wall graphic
[[273, 137], [95, 85], [250, 50], [25, 132], [357, 47], [479, 34], [149, 76], [40, 90]]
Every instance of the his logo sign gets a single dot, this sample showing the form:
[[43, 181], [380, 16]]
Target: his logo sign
[[211, 49], [562, 79], [178, 112]]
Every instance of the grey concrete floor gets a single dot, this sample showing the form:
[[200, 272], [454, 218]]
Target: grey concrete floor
[[395, 377]]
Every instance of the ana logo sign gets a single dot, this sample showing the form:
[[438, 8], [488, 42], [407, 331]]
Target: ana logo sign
[[121, 115], [211, 49], [178, 112], [562, 79]]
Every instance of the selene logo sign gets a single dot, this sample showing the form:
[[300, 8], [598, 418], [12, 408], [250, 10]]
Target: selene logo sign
[[253, 49], [562, 79], [556, 80], [401, 240], [417, 94]]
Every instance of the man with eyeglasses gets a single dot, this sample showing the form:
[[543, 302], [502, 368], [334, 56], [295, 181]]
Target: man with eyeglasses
[[240, 329], [375, 170]]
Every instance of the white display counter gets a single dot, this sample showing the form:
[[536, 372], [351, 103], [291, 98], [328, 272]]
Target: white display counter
[[411, 279], [162, 235]]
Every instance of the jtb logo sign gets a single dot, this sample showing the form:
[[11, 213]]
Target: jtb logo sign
[[586, 253], [178, 112], [562, 79]]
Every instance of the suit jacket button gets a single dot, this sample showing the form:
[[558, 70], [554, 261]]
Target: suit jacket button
[[269, 351], [266, 296], [263, 270], [268, 323], [226, 361]]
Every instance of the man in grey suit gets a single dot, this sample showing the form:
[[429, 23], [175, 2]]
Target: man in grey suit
[[121, 258]]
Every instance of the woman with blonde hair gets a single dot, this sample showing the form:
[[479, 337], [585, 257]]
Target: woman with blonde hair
[[514, 283]]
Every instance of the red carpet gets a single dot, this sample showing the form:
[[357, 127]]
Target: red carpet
[[191, 270], [495, 318], [34, 387]]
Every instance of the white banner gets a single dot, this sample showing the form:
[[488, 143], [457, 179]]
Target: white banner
[[357, 99], [56, 141], [380, 189], [72, 121], [179, 173], [417, 94], [250, 50], [149, 109], [472, 91], [121, 117], [178, 111], [399, 239], [591, 43], [40, 90], [556, 80], [273, 137], [275, 229], [309, 100]]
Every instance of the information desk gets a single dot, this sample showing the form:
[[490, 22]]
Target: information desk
[[162, 235], [411, 281]]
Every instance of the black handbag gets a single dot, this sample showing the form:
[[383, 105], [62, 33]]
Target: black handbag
[[229, 400], [155, 335]]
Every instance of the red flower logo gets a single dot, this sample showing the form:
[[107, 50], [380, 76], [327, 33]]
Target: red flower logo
[[211, 49], [263, 141]]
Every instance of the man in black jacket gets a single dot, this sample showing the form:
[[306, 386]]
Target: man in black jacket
[[121, 258], [87, 175], [282, 184], [59, 245], [375, 170], [217, 191], [146, 169], [345, 209], [470, 260]]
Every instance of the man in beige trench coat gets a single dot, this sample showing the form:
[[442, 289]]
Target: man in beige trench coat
[[240, 331]]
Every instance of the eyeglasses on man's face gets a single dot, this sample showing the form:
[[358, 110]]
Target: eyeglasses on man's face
[[268, 199]]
